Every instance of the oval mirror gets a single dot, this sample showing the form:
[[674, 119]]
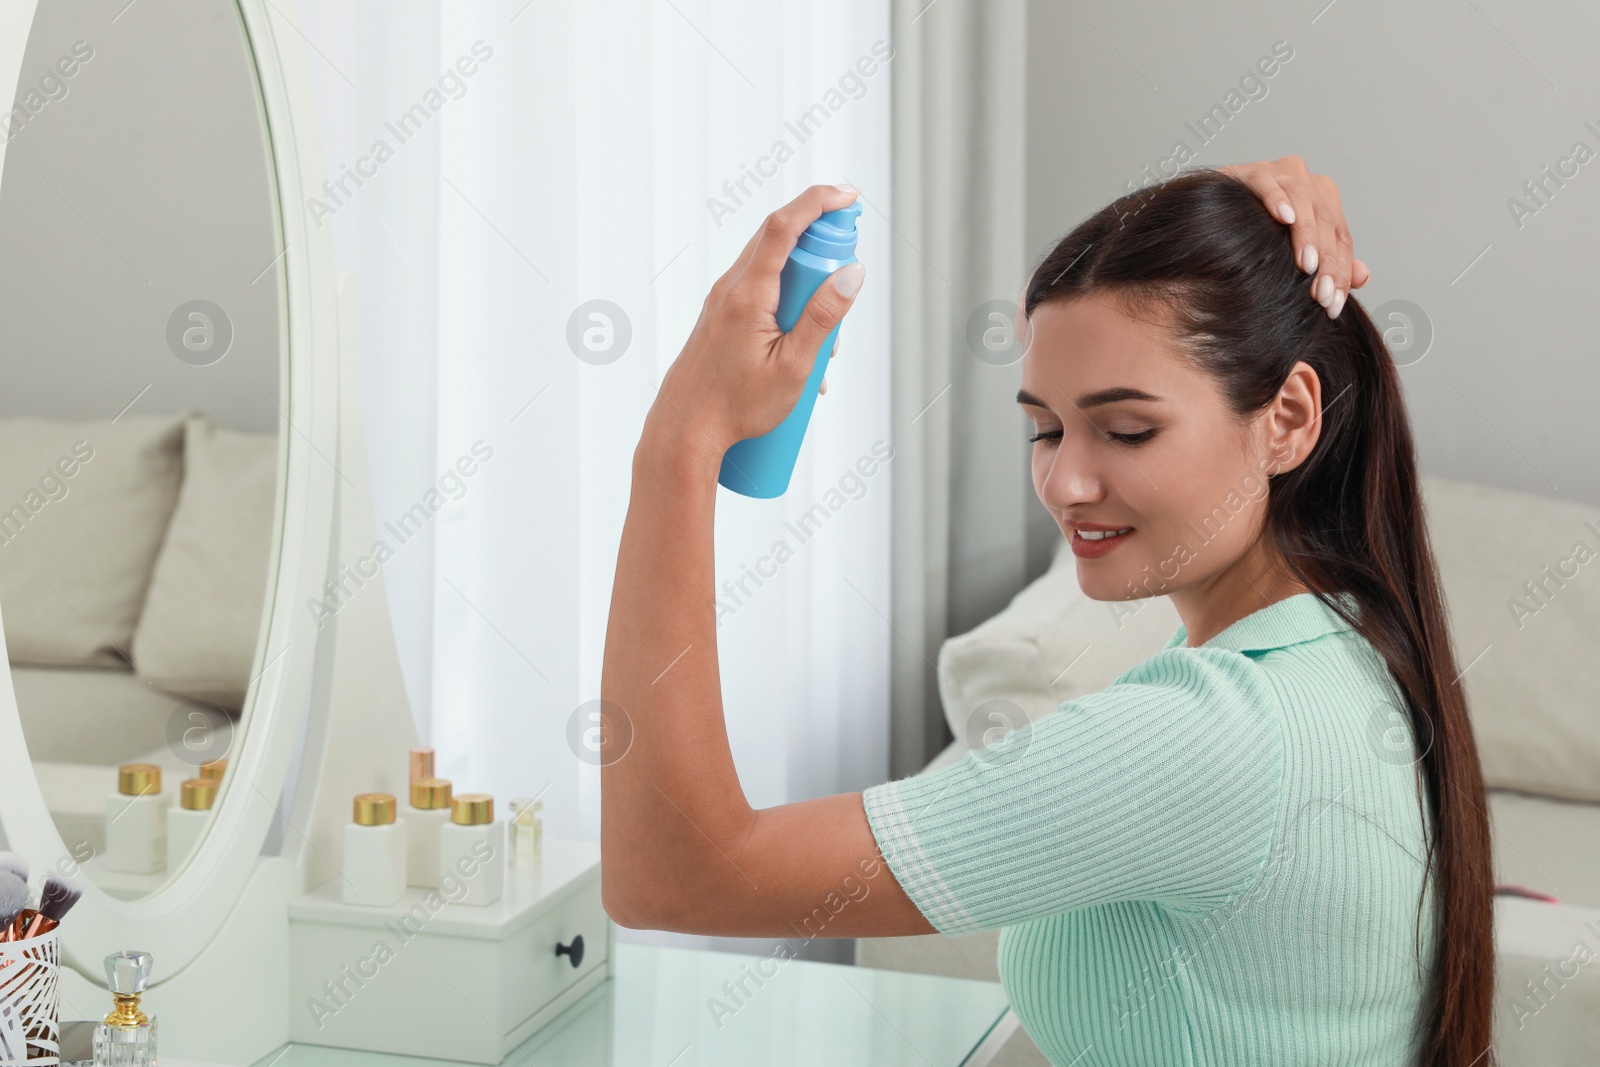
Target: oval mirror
[[143, 295]]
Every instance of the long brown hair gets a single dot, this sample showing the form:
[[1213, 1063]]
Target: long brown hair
[[1349, 519]]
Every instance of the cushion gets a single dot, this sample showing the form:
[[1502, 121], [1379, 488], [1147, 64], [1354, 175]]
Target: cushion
[[83, 508], [1521, 575], [202, 615]]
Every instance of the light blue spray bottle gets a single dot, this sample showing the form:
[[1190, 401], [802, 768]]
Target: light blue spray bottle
[[761, 466]]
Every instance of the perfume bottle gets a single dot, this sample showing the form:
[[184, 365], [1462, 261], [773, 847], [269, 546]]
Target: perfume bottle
[[374, 853], [472, 862], [428, 814], [187, 821], [527, 834], [136, 820], [126, 1037]]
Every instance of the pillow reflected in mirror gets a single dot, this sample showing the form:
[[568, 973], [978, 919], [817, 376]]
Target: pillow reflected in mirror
[[202, 614], [83, 510]]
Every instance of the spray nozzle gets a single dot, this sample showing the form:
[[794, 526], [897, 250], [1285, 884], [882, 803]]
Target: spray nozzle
[[833, 234]]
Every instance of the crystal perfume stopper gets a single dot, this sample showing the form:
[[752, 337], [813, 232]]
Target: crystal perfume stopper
[[127, 973]]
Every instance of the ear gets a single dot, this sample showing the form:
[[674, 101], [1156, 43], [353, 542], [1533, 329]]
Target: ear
[[1294, 419]]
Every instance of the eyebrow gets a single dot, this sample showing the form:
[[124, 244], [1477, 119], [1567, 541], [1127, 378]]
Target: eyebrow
[[1092, 400]]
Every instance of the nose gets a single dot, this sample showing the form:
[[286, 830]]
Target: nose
[[1071, 480]]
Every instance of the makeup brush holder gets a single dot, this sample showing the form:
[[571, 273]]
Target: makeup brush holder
[[30, 998]]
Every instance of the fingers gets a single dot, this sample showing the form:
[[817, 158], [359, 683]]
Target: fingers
[[1262, 178], [1318, 234], [822, 313], [770, 247], [1303, 231], [823, 388], [1333, 243]]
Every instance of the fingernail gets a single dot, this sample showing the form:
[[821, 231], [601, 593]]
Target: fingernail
[[848, 278], [1325, 290], [1308, 259], [1286, 212], [1338, 304], [848, 188]]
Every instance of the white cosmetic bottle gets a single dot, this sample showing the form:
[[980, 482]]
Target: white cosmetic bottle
[[136, 821], [374, 853], [472, 862], [428, 814], [187, 821]]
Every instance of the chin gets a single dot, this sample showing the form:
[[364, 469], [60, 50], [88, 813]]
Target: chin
[[1100, 582]]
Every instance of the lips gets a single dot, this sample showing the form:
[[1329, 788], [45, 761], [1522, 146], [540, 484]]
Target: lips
[[1093, 540]]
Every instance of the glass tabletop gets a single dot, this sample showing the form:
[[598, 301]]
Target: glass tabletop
[[678, 1007]]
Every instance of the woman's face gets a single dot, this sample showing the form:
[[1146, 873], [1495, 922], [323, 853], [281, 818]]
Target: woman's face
[[1132, 436]]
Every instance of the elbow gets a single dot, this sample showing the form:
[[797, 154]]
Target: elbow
[[641, 905], [619, 904], [629, 902]]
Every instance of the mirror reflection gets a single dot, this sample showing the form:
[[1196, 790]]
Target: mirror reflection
[[141, 288]]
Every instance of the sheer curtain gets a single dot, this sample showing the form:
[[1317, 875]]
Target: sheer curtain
[[546, 192]]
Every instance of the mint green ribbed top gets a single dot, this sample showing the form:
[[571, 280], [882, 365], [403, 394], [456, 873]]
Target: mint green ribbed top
[[1216, 861]]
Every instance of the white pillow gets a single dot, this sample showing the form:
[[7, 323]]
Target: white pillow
[[83, 507], [197, 635], [1534, 692]]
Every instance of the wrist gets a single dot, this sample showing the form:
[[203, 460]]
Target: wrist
[[669, 441]]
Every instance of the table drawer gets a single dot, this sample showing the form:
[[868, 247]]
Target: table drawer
[[532, 974]]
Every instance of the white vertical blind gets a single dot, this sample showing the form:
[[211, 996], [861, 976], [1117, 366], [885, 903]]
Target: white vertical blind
[[620, 152]]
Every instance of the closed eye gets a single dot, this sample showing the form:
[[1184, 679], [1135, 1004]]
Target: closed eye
[[1119, 438]]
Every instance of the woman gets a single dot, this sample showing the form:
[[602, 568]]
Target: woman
[[1219, 859]]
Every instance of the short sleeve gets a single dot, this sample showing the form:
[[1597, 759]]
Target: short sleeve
[[1162, 787]]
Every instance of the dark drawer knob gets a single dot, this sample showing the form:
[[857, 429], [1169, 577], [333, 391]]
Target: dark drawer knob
[[573, 951]]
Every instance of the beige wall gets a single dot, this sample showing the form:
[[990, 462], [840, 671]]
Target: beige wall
[[135, 184]]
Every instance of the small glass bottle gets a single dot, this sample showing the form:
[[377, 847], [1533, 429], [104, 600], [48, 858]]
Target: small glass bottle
[[136, 821], [428, 814], [527, 845], [472, 862], [374, 853], [187, 821], [126, 1037]]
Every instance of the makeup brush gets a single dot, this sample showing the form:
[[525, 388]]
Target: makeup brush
[[57, 897], [13, 899], [10, 861], [55, 900]]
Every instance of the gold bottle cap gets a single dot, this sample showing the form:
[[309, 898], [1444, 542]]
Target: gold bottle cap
[[212, 772], [430, 793], [421, 763], [472, 809], [374, 809], [198, 794], [138, 779]]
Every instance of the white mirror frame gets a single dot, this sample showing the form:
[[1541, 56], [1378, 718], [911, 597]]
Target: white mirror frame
[[177, 922]]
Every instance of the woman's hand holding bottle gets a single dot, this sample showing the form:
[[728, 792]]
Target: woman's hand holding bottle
[[739, 375]]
